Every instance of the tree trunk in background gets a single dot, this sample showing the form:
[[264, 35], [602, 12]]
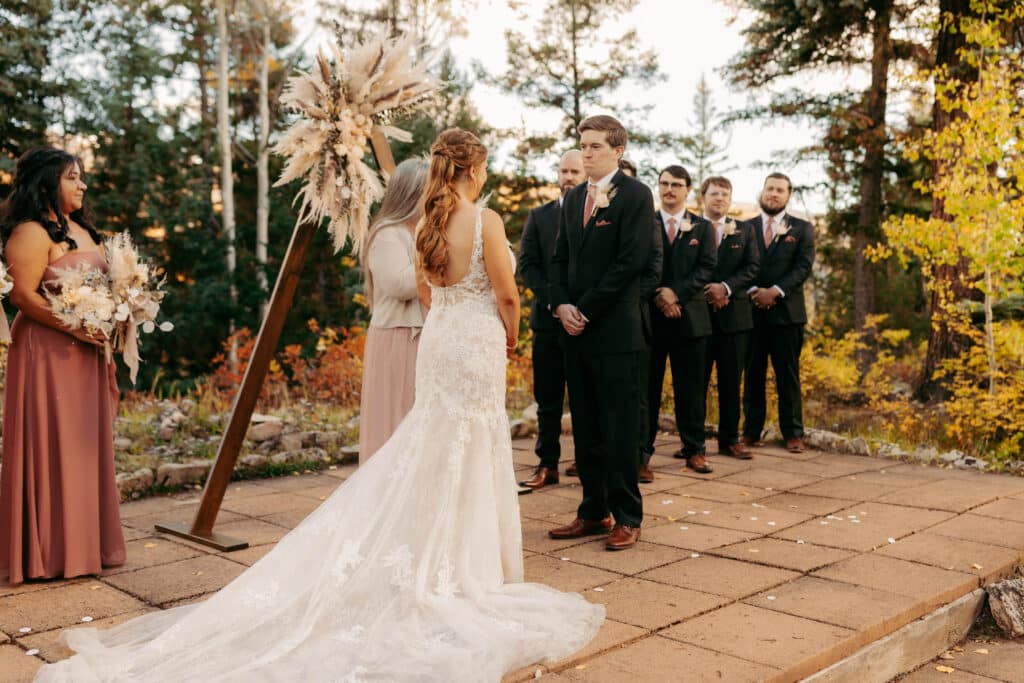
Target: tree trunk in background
[[263, 161], [944, 340], [870, 214], [227, 184]]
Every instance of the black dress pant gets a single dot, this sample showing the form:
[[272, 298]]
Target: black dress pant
[[549, 392], [728, 352], [781, 344], [687, 356], [603, 397]]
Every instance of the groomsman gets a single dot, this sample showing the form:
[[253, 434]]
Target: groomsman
[[681, 322], [787, 254], [536, 249], [603, 246], [729, 306]]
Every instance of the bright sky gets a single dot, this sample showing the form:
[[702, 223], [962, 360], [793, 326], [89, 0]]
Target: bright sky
[[691, 37]]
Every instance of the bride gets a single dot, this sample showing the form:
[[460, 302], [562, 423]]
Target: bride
[[412, 570]]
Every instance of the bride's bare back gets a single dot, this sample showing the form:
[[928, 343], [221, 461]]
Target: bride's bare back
[[461, 226]]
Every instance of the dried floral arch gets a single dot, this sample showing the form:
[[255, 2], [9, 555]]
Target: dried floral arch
[[345, 107]]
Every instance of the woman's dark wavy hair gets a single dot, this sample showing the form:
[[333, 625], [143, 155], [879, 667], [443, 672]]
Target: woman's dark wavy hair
[[35, 193]]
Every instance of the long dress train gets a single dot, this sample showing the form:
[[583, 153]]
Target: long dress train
[[411, 571]]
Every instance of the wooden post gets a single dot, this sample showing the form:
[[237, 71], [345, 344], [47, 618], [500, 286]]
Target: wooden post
[[201, 528]]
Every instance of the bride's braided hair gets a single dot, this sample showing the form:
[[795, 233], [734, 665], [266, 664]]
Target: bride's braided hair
[[452, 155]]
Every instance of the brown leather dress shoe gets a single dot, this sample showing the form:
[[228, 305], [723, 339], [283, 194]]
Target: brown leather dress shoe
[[622, 537], [736, 450], [542, 476], [572, 471], [747, 441], [795, 445], [582, 527], [645, 475], [698, 463]]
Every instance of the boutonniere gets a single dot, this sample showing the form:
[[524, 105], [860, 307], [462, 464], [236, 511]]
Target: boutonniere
[[781, 229], [729, 228], [603, 197], [686, 225]]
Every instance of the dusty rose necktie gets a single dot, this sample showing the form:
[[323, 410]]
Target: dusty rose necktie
[[671, 230], [589, 206], [769, 233]]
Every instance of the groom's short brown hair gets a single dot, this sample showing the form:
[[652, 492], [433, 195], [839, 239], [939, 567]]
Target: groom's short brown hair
[[616, 133]]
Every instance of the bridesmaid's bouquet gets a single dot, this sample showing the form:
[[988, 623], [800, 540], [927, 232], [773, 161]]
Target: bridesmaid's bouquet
[[80, 298], [137, 288]]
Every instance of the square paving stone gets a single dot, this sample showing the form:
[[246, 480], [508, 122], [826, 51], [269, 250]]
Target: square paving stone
[[827, 468], [612, 636], [949, 494], [699, 537], [659, 660], [863, 462], [565, 575], [864, 526], [17, 667], [724, 492], [341, 472], [808, 505], [131, 534], [543, 505], [989, 562], [930, 585], [63, 606], [151, 551], [271, 504], [796, 645], [849, 487], [148, 506], [254, 531], [769, 479], [720, 576], [1004, 508], [741, 517], [52, 650], [187, 578], [652, 605], [641, 557], [872, 612], [296, 482], [775, 552], [971, 527], [1004, 661], [288, 520], [721, 468]]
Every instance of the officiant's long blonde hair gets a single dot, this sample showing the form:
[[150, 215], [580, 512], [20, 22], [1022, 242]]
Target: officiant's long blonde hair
[[401, 204], [452, 155]]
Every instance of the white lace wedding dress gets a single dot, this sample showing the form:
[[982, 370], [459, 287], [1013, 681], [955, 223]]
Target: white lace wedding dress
[[411, 571]]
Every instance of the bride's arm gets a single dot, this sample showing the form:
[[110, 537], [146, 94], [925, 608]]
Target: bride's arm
[[499, 270]]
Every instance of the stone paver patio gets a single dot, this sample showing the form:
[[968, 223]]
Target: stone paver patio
[[765, 570]]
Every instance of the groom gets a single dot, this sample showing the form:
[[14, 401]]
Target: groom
[[604, 241]]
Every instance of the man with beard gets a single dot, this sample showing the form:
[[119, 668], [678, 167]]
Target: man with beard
[[729, 306], [538, 245], [681, 323], [787, 255]]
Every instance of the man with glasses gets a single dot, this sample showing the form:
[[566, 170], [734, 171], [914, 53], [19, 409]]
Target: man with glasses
[[680, 321]]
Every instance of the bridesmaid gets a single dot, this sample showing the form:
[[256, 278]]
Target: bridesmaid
[[394, 293], [58, 498]]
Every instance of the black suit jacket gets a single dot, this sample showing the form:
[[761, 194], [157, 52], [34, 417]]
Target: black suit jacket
[[786, 262], [738, 263], [688, 265], [650, 280], [599, 268], [535, 252]]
